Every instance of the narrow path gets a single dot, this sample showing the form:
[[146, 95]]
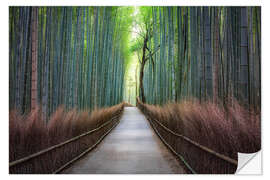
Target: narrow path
[[132, 147]]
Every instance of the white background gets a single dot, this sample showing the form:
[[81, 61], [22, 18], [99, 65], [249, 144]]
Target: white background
[[4, 47]]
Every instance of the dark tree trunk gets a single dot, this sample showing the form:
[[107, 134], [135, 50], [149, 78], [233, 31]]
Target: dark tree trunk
[[142, 69], [34, 58]]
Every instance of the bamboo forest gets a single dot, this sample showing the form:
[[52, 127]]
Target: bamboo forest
[[194, 70]]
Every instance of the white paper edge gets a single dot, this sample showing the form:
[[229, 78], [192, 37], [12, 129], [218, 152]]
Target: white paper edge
[[249, 163]]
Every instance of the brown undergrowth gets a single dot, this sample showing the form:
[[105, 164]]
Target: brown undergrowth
[[28, 134], [127, 104], [225, 130]]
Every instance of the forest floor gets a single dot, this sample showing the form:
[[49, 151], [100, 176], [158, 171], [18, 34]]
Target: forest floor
[[132, 147]]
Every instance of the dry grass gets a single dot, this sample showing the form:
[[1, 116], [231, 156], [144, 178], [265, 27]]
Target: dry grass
[[28, 134], [227, 131], [127, 104]]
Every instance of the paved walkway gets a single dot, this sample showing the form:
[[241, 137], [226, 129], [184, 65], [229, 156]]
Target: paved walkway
[[131, 148]]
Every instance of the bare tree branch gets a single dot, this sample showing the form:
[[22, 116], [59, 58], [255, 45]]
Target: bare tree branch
[[152, 53]]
